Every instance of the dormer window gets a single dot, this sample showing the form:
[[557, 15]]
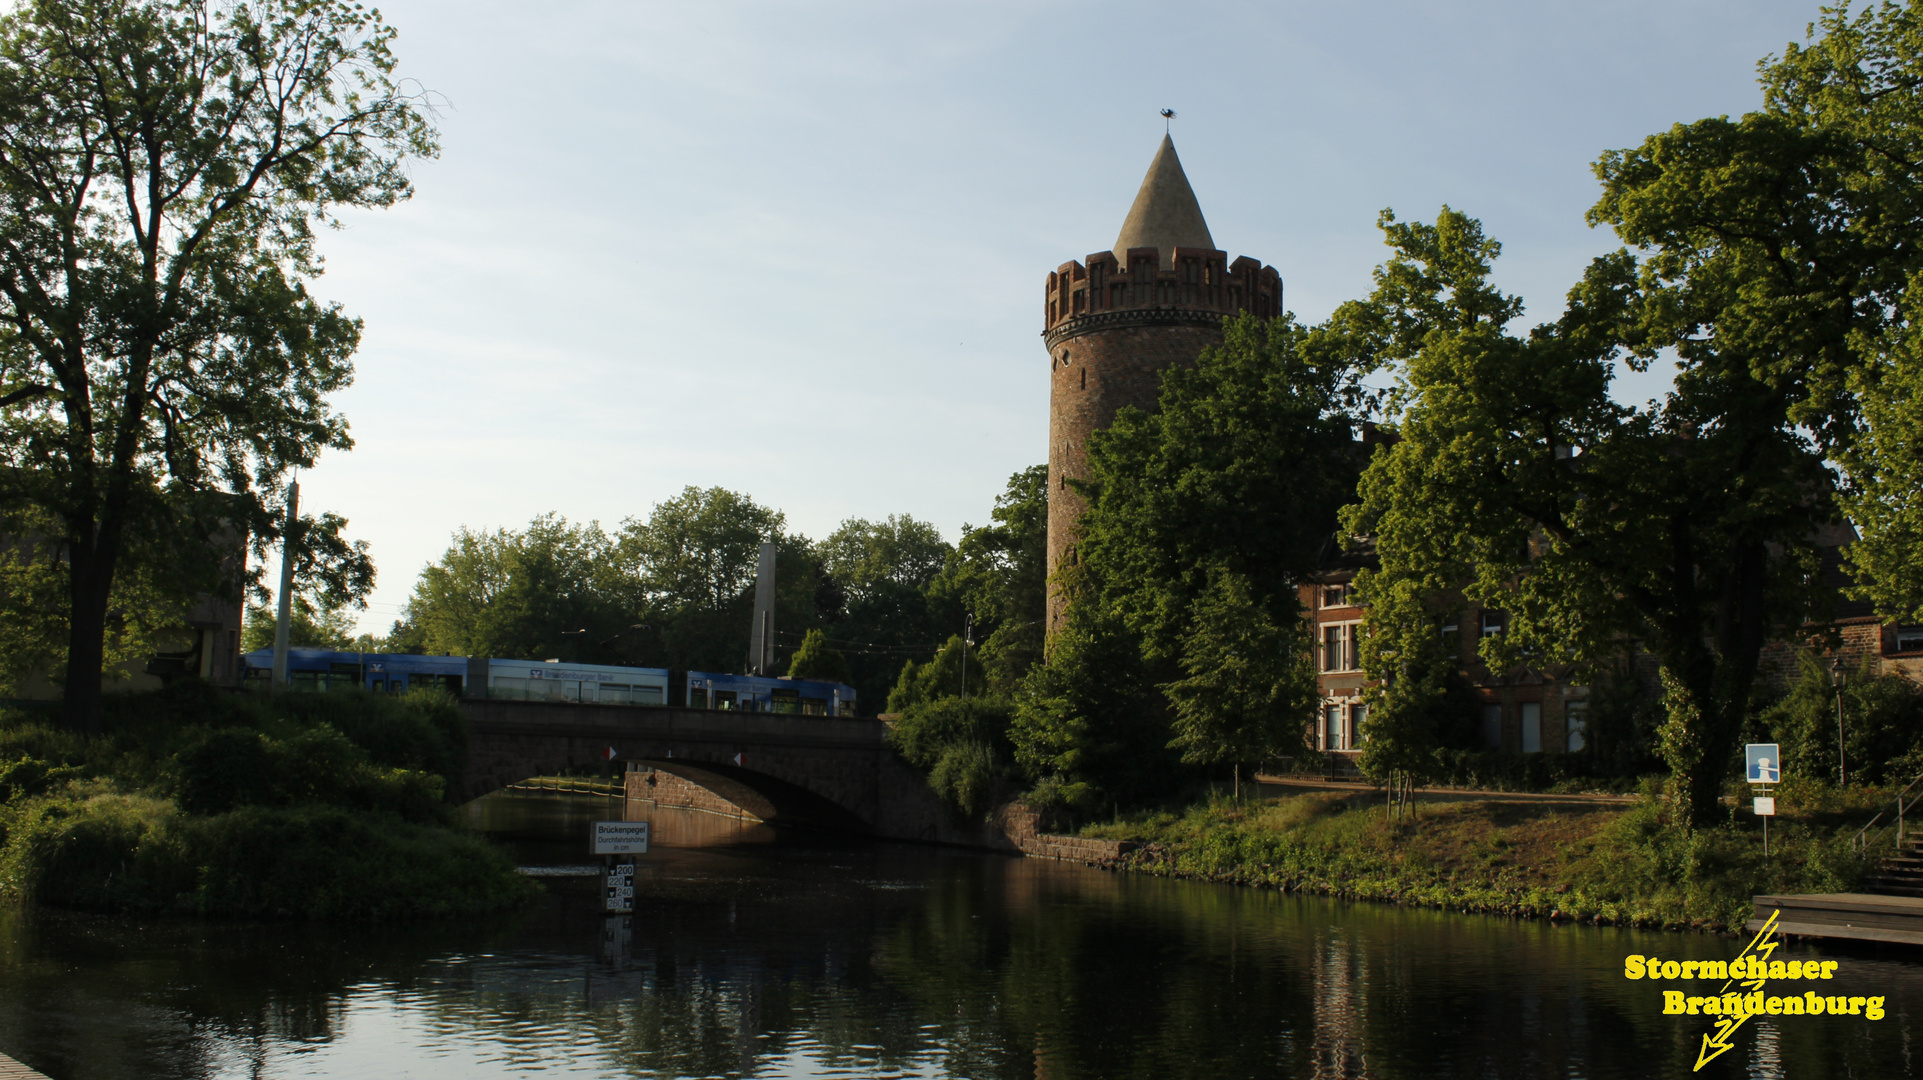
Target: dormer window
[[1335, 596]]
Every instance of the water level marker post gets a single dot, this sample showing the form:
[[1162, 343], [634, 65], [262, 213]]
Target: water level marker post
[[618, 842], [1763, 764]]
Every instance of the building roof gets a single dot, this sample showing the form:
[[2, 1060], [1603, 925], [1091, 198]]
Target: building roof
[[1165, 214]]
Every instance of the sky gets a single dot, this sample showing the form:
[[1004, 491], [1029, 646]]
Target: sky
[[798, 250]]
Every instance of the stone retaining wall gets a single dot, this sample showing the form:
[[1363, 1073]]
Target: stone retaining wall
[[1021, 826]]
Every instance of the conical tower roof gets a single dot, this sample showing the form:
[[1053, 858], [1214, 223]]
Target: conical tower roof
[[1165, 214]]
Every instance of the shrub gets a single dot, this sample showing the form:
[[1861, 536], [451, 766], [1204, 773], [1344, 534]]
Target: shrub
[[137, 853], [963, 747]]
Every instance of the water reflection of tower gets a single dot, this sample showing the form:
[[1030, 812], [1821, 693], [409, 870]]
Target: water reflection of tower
[[1341, 988]]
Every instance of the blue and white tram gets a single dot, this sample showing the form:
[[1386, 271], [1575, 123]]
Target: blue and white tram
[[538, 680], [758, 693], [608, 684], [331, 669]]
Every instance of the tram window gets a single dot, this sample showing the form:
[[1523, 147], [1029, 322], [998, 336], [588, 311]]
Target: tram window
[[697, 698], [724, 699], [508, 689], [814, 706], [648, 695]]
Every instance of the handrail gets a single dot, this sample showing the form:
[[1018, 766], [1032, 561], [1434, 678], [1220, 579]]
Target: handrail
[[1902, 808], [1857, 841]]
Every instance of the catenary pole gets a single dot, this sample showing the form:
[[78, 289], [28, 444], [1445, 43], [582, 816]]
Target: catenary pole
[[282, 627]]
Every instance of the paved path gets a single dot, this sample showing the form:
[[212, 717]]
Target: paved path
[[1443, 794], [13, 1070]]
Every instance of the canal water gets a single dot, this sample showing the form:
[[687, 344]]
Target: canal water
[[757, 953]]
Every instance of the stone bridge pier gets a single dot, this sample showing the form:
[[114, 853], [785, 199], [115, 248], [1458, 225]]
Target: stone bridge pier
[[815, 771]]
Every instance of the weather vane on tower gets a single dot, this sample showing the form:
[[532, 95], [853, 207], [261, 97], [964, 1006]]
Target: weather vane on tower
[[1167, 115]]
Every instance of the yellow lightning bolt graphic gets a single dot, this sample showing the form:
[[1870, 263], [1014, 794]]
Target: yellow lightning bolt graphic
[[1713, 1047]]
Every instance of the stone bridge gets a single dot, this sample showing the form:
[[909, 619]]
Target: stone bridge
[[819, 771]]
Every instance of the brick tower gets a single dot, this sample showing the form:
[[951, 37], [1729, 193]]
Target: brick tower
[[1113, 326]]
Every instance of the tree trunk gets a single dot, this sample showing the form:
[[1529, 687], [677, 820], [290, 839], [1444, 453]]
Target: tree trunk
[[1706, 691], [90, 582]]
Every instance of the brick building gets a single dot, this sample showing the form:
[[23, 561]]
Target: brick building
[[1531, 709]]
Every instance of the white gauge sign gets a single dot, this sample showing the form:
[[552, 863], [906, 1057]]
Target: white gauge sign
[[620, 838]]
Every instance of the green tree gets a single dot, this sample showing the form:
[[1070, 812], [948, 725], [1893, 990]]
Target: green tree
[[1235, 704], [998, 573], [166, 161], [309, 626], [36, 605], [1687, 525], [1237, 477], [953, 670], [1882, 724], [1843, 117], [689, 570], [539, 593], [1089, 724], [815, 659], [963, 747], [879, 573]]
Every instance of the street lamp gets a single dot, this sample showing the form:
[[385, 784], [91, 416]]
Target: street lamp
[[968, 638], [1836, 674]]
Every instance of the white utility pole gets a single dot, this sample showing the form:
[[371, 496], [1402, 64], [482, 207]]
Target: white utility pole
[[282, 625]]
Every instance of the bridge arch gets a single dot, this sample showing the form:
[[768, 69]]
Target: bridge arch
[[821, 771]]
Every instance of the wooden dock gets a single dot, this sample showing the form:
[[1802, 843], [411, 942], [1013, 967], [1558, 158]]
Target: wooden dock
[[13, 1070], [1857, 916]]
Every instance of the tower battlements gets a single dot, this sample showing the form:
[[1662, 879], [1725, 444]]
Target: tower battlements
[[1118, 323], [1201, 288]]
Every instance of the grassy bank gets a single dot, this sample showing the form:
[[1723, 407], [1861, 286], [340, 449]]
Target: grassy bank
[[1598, 862], [197, 801]]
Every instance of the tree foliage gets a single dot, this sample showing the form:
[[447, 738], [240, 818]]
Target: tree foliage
[[1881, 724], [533, 594], [1215, 507], [162, 365], [998, 574], [1687, 525], [1235, 703], [815, 659], [875, 594]]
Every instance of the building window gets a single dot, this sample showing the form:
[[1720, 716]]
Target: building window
[[1575, 722], [1332, 727], [1491, 624], [1451, 637], [1358, 715], [1492, 726], [1909, 639], [1531, 727], [1338, 647], [1335, 596]]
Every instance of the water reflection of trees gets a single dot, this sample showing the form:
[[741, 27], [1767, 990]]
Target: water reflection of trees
[[875, 962]]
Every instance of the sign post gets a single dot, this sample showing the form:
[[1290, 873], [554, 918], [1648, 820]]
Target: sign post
[[1763, 762], [617, 842]]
